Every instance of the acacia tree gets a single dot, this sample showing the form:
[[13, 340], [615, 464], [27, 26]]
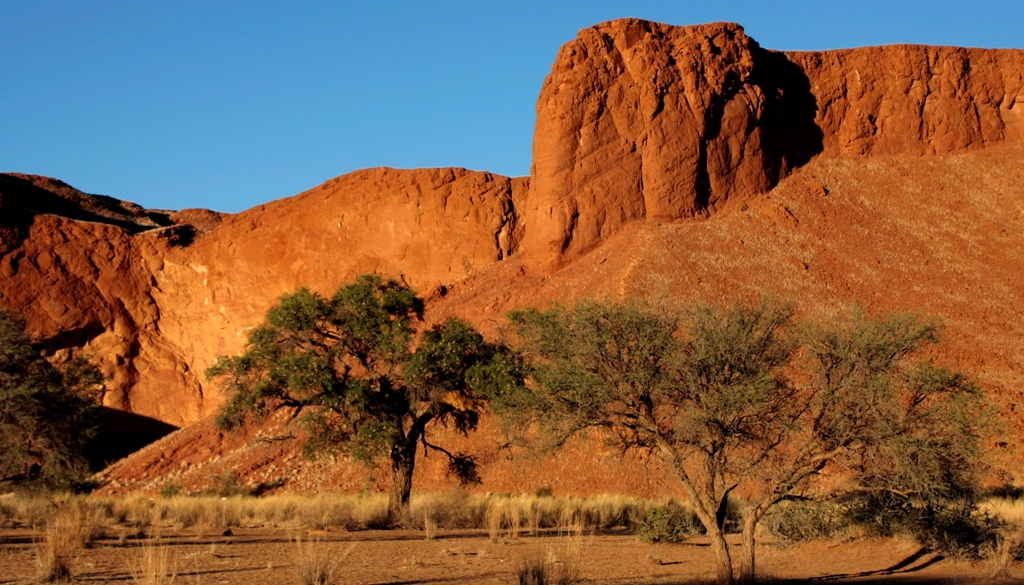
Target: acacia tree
[[711, 397], [346, 364], [48, 414]]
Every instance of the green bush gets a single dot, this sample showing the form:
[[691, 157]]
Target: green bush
[[228, 485], [957, 529], [170, 490], [48, 414], [799, 521], [669, 523], [954, 528]]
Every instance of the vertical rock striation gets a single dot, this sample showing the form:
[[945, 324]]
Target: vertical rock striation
[[645, 120]]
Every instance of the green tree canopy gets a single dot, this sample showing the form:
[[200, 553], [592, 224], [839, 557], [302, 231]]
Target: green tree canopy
[[47, 414], [740, 396], [365, 382]]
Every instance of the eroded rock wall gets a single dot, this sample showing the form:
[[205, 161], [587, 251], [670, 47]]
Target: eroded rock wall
[[154, 306], [637, 120], [645, 120], [430, 227]]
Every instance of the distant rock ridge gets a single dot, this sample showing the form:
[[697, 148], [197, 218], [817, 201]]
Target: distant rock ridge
[[645, 120], [637, 120]]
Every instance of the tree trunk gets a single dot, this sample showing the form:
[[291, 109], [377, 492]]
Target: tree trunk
[[403, 462], [723, 562], [747, 563], [707, 508]]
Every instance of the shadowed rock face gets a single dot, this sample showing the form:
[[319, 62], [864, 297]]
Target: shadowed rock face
[[636, 121], [645, 120]]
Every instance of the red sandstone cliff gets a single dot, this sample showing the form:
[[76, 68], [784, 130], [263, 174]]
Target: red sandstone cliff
[[155, 301], [645, 120], [637, 121]]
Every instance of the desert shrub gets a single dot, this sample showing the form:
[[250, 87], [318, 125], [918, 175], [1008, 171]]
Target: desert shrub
[[668, 523], [537, 571], [956, 528], [152, 564], [880, 514], [170, 490], [227, 485], [800, 521], [48, 414]]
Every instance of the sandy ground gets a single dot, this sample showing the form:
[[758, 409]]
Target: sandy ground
[[271, 557]]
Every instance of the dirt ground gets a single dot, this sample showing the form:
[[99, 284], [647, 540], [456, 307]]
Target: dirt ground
[[272, 557]]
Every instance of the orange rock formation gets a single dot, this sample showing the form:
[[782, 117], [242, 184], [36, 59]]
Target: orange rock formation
[[669, 162], [644, 120], [154, 302]]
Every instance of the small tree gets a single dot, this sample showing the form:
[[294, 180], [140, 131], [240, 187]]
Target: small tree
[[348, 364], [714, 399], [47, 414]]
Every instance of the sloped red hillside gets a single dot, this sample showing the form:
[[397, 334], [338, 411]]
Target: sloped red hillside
[[674, 163], [940, 235]]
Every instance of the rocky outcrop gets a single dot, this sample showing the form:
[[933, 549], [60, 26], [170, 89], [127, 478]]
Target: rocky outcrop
[[78, 267], [915, 99], [645, 120], [637, 120], [430, 227], [155, 296]]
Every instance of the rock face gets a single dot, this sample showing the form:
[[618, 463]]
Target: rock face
[[79, 268], [430, 227], [637, 121], [644, 120], [938, 235], [155, 296]]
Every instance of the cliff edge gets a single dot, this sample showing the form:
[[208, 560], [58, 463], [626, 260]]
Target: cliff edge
[[645, 120]]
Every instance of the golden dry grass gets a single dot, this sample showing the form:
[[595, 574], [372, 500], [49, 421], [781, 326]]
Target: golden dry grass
[[318, 563], [70, 527], [1010, 545], [152, 563], [502, 516]]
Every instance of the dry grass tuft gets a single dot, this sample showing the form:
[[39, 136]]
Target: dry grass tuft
[[429, 527], [537, 571], [54, 555], [317, 563], [493, 520], [71, 528], [1010, 543], [152, 564]]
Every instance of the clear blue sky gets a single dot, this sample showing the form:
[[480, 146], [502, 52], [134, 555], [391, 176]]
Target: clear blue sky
[[230, 104]]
